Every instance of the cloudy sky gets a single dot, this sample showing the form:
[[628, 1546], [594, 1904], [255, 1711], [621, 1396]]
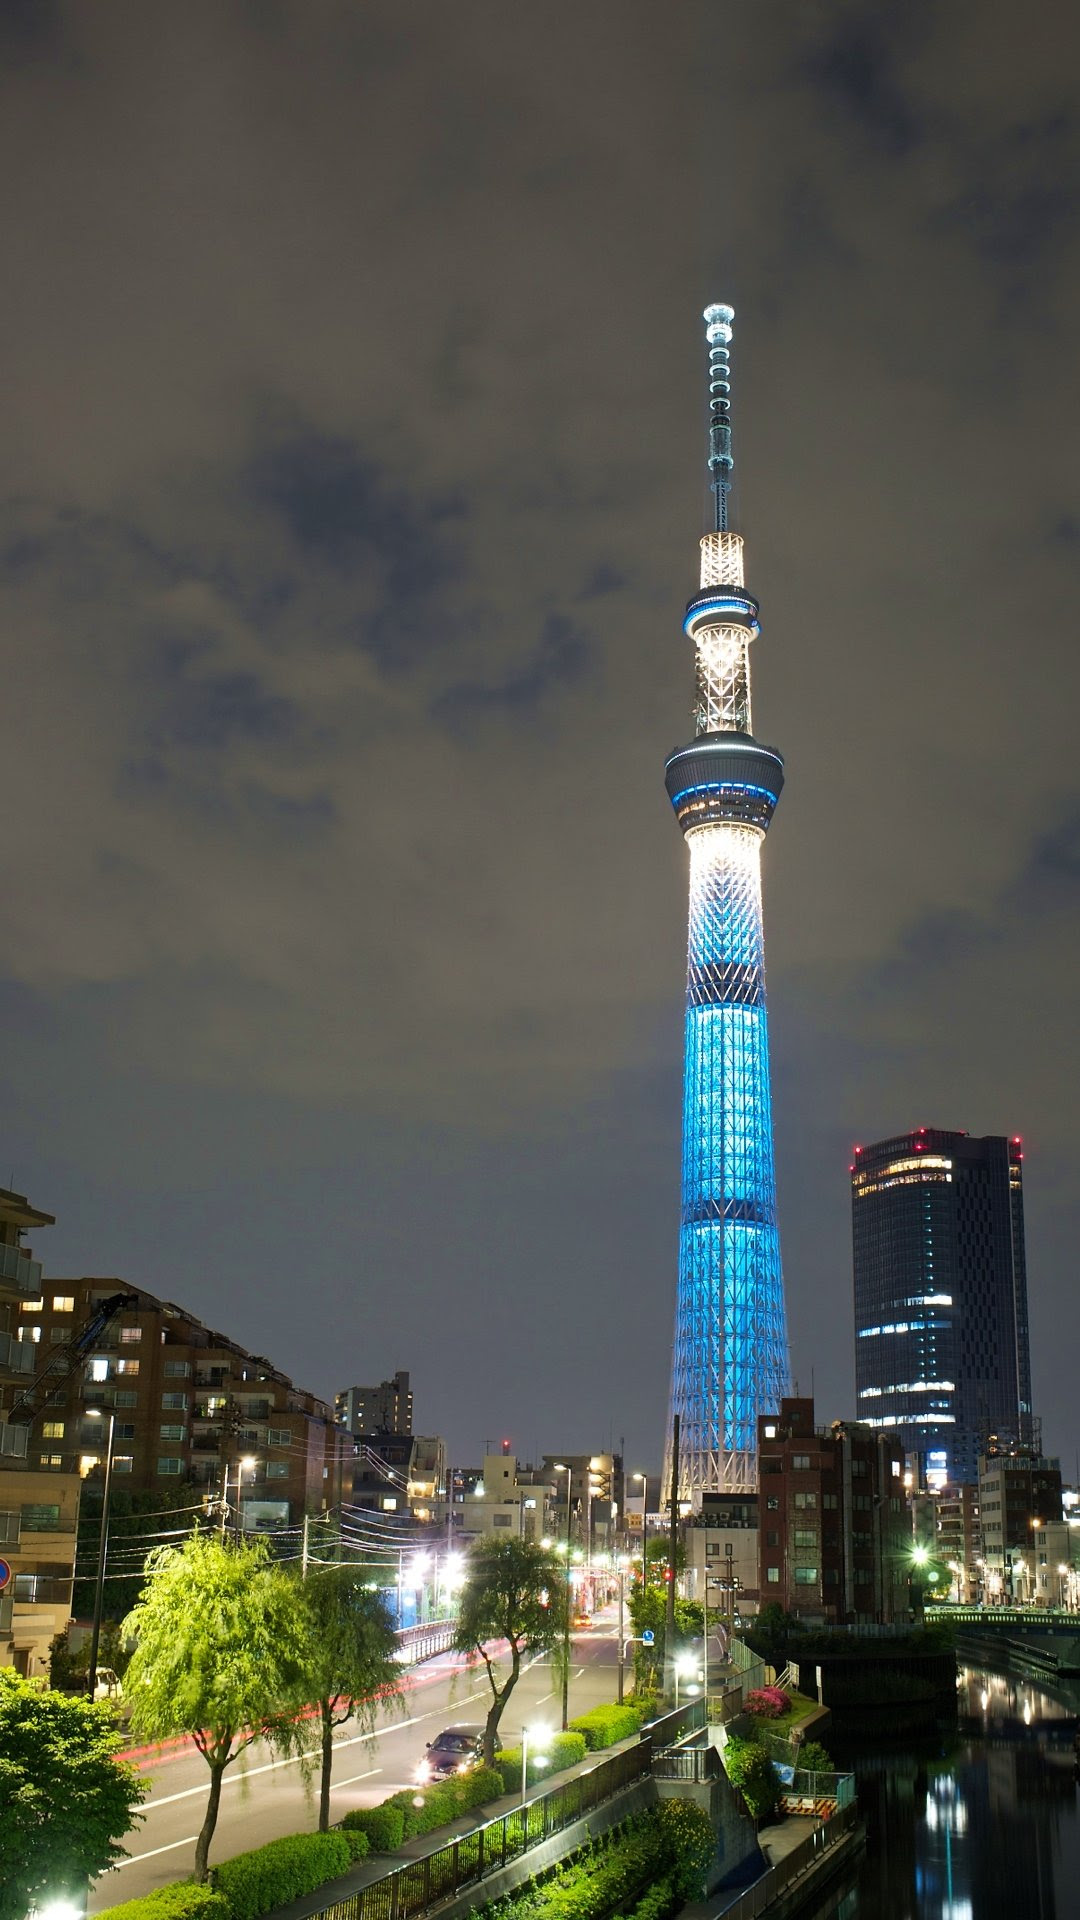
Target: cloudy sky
[[352, 478]]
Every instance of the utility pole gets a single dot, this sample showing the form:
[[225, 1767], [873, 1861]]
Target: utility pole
[[669, 1622], [304, 1548]]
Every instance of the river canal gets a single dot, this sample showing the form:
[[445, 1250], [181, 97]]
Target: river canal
[[983, 1824]]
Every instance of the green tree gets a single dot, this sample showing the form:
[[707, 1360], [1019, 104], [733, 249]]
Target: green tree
[[220, 1655], [648, 1610], [513, 1591], [348, 1658], [67, 1801]]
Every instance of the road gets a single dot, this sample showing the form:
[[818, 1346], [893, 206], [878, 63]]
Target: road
[[263, 1798]]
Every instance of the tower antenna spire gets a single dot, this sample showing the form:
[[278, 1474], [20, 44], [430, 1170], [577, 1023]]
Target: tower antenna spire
[[718, 321]]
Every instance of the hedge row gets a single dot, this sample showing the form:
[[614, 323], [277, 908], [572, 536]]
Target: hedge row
[[445, 1799], [564, 1750], [384, 1826], [603, 1726], [186, 1900], [254, 1883]]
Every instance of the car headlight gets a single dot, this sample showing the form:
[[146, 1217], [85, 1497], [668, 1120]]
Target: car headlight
[[423, 1772]]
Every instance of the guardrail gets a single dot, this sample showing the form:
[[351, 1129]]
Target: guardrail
[[687, 1763], [795, 1864], [421, 1642], [419, 1884], [669, 1728]]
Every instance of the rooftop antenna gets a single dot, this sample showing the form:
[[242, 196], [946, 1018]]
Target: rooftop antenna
[[718, 321]]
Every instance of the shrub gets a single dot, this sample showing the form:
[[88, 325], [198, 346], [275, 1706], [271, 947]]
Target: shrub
[[749, 1768], [660, 1903], [691, 1843], [768, 1703], [603, 1726], [813, 1757], [359, 1844], [425, 1808], [254, 1883], [186, 1900], [566, 1750], [384, 1826]]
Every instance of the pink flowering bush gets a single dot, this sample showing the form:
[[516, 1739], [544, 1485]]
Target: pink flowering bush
[[768, 1703]]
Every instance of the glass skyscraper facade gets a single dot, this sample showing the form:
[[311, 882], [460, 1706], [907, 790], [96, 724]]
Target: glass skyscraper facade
[[941, 1320]]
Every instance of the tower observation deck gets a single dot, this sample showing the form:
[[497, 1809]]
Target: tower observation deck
[[730, 1359]]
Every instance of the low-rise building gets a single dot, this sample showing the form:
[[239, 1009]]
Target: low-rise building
[[834, 1536], [958, 1540], [722, 1557]]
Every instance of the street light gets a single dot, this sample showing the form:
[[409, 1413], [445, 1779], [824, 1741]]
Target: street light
[[566, 1621], [620, 1568], [541, 1738], [687, 1666], [644, 1478], [95, 1413], [246, 1460]]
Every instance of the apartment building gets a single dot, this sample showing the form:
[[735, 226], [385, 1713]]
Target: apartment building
[[1019, 1492], [189, 1406], [834, 1537], [38, 1510]]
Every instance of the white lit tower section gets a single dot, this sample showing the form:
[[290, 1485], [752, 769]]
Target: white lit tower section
[[730, 1360]]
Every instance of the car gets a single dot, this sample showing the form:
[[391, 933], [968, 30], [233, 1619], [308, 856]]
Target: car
[[581, 1618], [454, 1750]]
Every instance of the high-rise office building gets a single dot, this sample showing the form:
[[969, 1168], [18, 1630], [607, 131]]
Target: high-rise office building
[[730, 1360], [941, 1322]]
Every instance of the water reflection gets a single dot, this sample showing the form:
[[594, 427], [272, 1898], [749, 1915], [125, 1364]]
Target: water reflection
[[983, 1828]]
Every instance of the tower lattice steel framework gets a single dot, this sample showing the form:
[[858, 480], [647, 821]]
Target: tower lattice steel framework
[[730, 1360]]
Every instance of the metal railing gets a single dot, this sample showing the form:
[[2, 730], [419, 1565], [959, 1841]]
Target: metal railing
[[687, 1763], [672, 1727], [419, 1643], [419, 1884], [725, 1706], [798, 1862]]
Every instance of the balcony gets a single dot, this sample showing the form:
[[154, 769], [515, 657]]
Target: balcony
[[256, 1409], [16, 1356], [16, 1264], [9, 1529]]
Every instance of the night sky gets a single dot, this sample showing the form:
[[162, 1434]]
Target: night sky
[[353, 473]]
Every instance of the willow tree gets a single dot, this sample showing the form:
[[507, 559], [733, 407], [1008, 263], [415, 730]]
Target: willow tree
[[514, 1593], [349, 1664], [220, 1656]]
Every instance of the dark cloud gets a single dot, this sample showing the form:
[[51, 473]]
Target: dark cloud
[[353, 470]]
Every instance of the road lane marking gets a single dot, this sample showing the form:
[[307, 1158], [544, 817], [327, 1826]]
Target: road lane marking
[[293, 1760], [136, 1859], [353, 1778]]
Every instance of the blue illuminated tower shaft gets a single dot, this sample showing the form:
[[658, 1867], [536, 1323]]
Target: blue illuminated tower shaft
[[730, 1360]]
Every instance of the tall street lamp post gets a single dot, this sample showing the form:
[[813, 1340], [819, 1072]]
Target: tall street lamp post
[[95, 1413], [566, 1621]]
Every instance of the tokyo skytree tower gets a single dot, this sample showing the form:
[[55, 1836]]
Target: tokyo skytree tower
[[730, 1360]]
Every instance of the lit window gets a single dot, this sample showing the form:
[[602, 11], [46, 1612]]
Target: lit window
[[99, 1367], [123, 1463], [87, 1463], [52, 1430], [127, 1366], [770, 1431], [32, 1306], [63, 1303], [30, 1333], [129, 1335], [50, 1459], [389, 1505]]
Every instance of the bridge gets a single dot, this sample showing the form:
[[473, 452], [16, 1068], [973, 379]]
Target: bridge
[[1039, 1642]]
